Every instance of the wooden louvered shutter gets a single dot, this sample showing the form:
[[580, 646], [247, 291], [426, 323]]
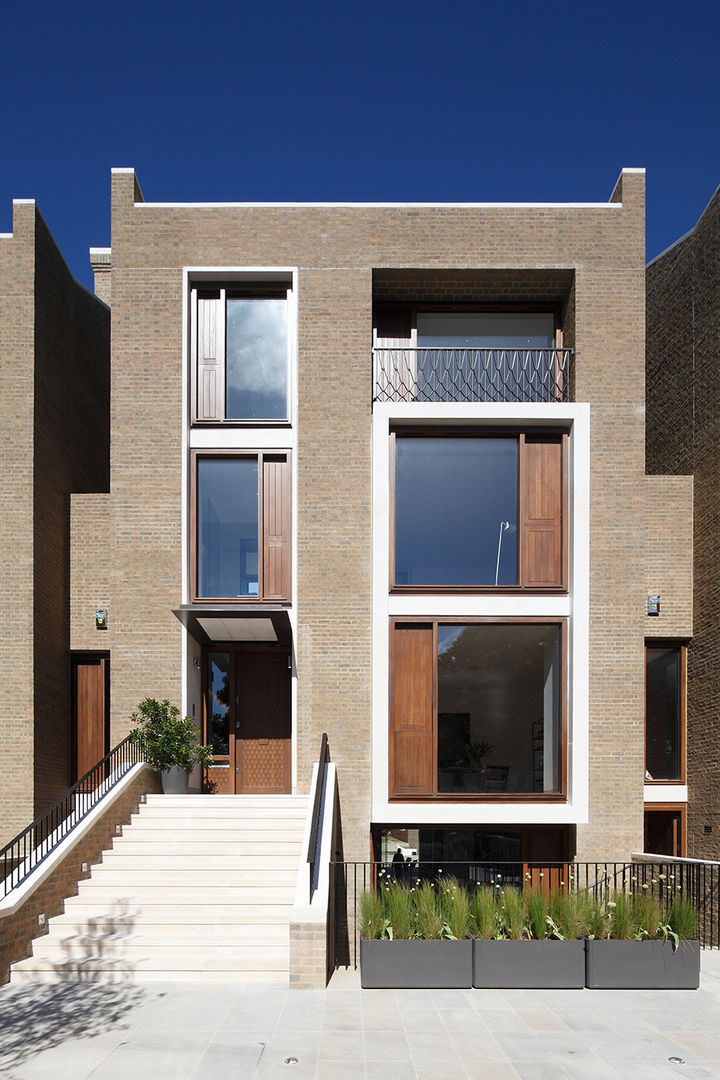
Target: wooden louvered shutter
[[277, 506], [210, 356], [411, 711], [542, 517]]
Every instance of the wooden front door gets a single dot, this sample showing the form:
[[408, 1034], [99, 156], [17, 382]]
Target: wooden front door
[[89, 681], [248, 720]]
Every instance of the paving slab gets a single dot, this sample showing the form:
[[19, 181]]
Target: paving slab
[[181, 1031]]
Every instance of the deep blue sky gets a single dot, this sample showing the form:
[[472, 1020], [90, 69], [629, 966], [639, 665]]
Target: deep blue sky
[[428, 101]]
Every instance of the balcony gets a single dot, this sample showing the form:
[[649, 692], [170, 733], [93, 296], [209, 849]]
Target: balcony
[[468, 374]]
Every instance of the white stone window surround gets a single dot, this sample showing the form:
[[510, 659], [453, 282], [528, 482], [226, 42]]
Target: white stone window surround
[[573, 606], [245, 436]]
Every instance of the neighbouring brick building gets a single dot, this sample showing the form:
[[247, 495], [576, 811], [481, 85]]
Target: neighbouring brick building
[[376, 470], [683, 437]]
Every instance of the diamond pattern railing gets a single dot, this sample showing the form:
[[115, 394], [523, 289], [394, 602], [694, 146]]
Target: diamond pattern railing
[[467, 374]]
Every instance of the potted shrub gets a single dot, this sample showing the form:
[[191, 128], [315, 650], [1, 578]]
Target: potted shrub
[[415, 937], [523, 940], [170, 743], [644, 946]]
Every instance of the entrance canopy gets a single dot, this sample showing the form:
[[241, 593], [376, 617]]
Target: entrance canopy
[[225, 622]]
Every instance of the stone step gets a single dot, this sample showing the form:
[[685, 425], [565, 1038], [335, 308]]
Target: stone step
[[227, 811], [170, 959], [194, 845], [189, 877], [93, 971], [80, 911], [170, 894], [189, 933], [177, 823], [258, 862]]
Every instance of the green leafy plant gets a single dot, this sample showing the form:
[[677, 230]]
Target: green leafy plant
[[483, 912], [429, 920], [568, 915], [455, 908], [537, 913], [682, 917], [512, 912], [166, 738], [373, 923], [399, 910]]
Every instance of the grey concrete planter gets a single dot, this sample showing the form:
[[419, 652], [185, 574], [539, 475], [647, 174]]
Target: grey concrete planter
[[415, 965], [175, 780], [643, 965], [529, 965]]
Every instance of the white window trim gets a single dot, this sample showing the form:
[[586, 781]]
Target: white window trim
[[575, 606]]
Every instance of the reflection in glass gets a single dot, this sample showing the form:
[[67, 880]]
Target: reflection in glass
[[456, 505], [218, 702], [489, 352], [662, 713], [256, 371], [227, 527], [499, 708]]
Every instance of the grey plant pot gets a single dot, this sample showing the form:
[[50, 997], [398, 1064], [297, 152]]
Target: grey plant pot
[[643, 965], [415, 965], [175, 780], [531, 965]]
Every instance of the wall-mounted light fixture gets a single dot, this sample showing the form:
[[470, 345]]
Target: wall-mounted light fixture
[[100, 618], [654, 604], [196, 663]]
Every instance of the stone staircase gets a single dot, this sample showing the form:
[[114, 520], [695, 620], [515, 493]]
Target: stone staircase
[[197, 887]]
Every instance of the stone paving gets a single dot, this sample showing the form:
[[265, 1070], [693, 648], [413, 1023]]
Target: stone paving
[[178, 1031]]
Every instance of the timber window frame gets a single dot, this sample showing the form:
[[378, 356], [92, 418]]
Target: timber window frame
[[212, 389], [679, 649], [274, 522], [542, 517], [414, 716]]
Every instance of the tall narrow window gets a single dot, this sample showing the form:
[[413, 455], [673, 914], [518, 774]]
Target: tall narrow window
[[242, 507], [664, 712], [240, 354]]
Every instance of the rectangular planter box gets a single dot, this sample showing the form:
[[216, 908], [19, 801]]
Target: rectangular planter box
[[415, 965], [529, 965], [643, 965]]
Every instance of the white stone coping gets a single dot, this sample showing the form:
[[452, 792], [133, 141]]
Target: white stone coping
[[16, 897], [304, 910]]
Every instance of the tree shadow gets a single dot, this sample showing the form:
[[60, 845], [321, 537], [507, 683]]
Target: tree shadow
[[90, 992]]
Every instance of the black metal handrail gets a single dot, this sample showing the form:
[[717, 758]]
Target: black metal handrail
[[699, 882], [464, 374], [29, 848], [315, 840]]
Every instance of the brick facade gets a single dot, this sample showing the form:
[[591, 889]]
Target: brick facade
[[54, 342], [683, 437], [127, 546]]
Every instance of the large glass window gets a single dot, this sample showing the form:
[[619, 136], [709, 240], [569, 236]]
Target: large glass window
[[256, 369], [240, 354], [242, 533], [498, 722], [227, 527], [664, 712], [476, 709], [456, 511], [479, 511]]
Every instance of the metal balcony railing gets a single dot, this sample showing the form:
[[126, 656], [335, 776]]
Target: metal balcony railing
[[427, 374]]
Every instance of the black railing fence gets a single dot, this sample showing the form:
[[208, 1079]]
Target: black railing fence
[[698, 881], [30, 847], [315, 841], [471, 374]]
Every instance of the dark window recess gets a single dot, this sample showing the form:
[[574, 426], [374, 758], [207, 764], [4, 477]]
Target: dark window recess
[[663, 712], [479, 511], [242, 520]]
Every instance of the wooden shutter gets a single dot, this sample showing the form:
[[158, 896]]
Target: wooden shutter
[[412, 711], [542, 517], [277, 517], [210, 357]]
